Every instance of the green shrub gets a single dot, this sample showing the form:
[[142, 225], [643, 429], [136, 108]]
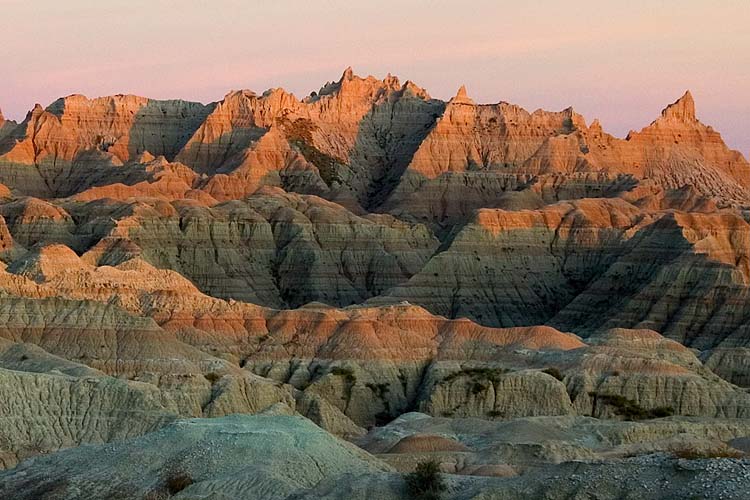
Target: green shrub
[[383, 418], [380, 390], [178, 481], [425, 483], [629, 409], [554, 372], [347, 373], [478, 374], [477, 387], [300, 135], [661, 412], [212, 377]]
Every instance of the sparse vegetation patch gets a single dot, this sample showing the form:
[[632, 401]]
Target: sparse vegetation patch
[[178, 481], [554, 372], [346, 373], [629, 409], [478, 374], [425, 483]]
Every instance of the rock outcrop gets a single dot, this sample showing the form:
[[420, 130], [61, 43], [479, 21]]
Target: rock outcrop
[[53, 151], [594, 264], [43, 412], [522, 444], [524, 279], [264, 457]]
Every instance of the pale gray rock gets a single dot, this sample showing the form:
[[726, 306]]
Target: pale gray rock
[[260, 457]]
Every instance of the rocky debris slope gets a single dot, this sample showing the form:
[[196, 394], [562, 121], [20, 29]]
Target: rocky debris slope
[[512, 268], [277, 456], [651, 477], [272, 248], [482, 448], [43, 412]]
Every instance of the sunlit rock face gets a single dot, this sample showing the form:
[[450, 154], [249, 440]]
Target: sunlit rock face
[[372, 190], [359, 254]]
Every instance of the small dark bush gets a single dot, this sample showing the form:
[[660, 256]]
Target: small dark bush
[[662, 411], [24, 357], [178, 481], [347, 373], [477, 374], [380, 390], [629, 409], [300, 135], [477, 388], [554, 372], [383, 418], [212, 377], [425, 483]]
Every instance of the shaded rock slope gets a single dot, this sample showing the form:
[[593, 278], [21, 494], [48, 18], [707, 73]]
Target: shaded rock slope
[[263, 457]]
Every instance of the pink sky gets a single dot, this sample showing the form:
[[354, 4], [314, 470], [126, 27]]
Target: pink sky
[[619, 61]]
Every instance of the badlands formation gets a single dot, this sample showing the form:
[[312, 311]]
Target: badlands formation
[[275, 298]]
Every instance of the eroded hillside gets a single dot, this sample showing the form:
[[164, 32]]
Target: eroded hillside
[[361, 254]]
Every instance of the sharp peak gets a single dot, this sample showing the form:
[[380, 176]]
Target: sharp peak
[[682, 109], [415, 89], [276, 91], [462, 97], [350, 80], [36, 111], [240, 91], [348, 74]]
